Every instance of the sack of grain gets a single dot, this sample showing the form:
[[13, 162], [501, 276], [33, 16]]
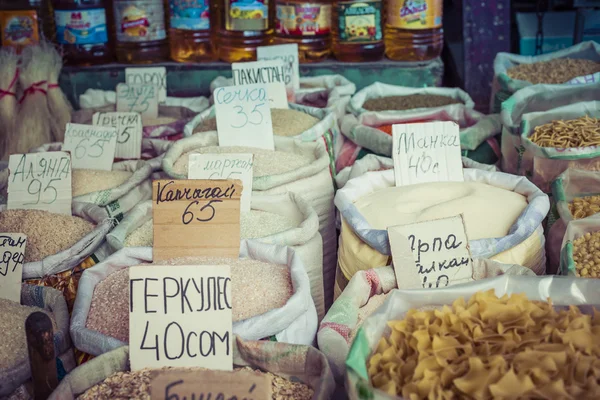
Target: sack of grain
[[365, 292], [563, 292], [294, 166], [580, 248], [14, 360], [294, 322], [515, 160], [576, 65], [564, 137], [523, 206], [296, 363]]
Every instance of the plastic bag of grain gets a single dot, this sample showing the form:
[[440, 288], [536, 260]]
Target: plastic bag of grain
[[14, 360], [294, 322], [366, 291], [513, 237], [513, 72], [295, 363], [515, 159], [294, 166], [563, 292]]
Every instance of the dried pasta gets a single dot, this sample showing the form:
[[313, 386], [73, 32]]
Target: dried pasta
[[582, 207], [579, 132], [490, 348]]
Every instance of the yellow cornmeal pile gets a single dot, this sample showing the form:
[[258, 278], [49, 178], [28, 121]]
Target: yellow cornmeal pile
[[47, 233], [586, 255], [135, 385], [579, 132], [86, 181], [409, 102], [582, 207], [490, 348], [556, 71]]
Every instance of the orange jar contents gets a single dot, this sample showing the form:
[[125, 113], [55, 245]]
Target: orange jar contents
[[190, 31], [357, 30], [23, 22]]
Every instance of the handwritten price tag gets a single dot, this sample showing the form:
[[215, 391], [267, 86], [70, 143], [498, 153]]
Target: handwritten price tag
[[288, 53], [129, 132], [156, 76], [270, 73], [91, 147], [207, 211], [431, 254], [180, 316], [224, 166], [426, 152], [210, 385], [138, 98], [40, 181], [12, 255], [244, 117]]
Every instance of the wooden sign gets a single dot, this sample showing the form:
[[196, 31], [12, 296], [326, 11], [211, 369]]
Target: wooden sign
[[196, 218], [180, 316], [91, 147], [431, 254], [129, 132], [270, 73], [40, 181], [156, 76], [426, 152], [138, 98], [12, 255], [210, 385]]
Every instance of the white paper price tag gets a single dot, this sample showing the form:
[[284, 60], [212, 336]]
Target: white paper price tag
[[431, 254], [91, 147], [224, 166], [243, 116], [156, 76], [288, 53], [12, 254], [40, 181], [180, 316], [129, 132], [138, 98], [426, 152], [271, 73]]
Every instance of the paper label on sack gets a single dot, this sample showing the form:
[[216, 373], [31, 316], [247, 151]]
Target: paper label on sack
[[129, 132], [40, 181], [180, 316], [142, 99], [194, 217], [431, 254], [426, 152], [225, 166], [156, 76], [270, 73], [243, 116], [288, 53], [210, 385], [91, 147], [12, 255]]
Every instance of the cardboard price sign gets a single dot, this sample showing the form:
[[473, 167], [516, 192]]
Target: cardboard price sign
[[270, 73], [91, 147], [156, 76], [431, 254], [40, 181], [138, 98], [12, 255], [129, 132], [426, 152], [196, 218], [180, 316], [210, 385]]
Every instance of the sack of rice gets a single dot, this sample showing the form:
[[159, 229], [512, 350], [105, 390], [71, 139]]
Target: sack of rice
[[284, 219], [562, 138], [445, 343], [370, 203], [271, 297], [294, 166], [298, 373], [14, 359], [366, 291], [533, 99], [576, 65]]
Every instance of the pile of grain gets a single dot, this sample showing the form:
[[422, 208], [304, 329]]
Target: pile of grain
[[47, 233], [409, 102], [291, 122], [135, 385], [13, 346], [109, 311], [142, 236], [578, 132], [556, 71], [86, 181], [266, 162]]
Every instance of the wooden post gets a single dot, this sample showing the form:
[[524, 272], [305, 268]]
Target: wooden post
[[40, 342]]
